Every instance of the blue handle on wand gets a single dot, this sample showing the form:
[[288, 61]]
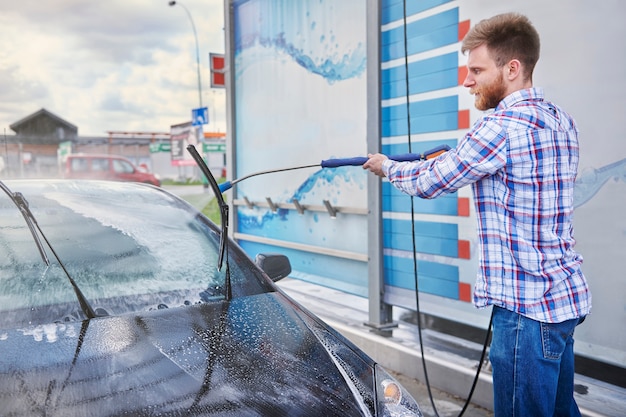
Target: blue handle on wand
[[405, 157], [360, 160]]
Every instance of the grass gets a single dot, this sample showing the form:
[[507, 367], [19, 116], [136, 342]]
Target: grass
[[212, 211], [186, 181]]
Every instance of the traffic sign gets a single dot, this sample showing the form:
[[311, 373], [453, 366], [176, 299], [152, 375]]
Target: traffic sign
[[200, 116]]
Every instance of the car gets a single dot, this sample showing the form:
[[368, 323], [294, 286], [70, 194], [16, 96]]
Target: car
[[122, 299], [107, 167]]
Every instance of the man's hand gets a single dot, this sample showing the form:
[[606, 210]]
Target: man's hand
[[375, 164]]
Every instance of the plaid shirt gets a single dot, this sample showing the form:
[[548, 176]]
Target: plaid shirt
[[521, 161]]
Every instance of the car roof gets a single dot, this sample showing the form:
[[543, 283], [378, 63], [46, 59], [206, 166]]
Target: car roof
[[95, 155]]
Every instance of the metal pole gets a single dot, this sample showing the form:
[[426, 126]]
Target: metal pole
[[193, 26], [229, 84], [380, 312]]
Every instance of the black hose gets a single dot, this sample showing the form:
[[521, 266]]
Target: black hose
[[417, 305]]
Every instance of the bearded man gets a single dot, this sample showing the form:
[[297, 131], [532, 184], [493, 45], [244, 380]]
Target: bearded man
[[521, 161]]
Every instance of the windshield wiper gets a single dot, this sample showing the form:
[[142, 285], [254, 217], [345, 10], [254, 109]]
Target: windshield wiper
[[22, 204], [223, 216]]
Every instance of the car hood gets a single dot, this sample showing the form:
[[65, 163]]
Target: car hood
[[257, 355]]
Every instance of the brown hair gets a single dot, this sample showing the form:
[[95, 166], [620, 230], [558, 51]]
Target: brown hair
[[507, 36]]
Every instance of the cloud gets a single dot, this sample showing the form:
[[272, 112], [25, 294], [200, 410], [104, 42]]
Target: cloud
[[102, 66]]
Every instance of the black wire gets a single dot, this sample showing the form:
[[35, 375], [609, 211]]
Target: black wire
[[417, 305], [480, 365], [408, 122]]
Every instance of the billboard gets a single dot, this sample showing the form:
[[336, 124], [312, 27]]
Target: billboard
[[299, 96], [300, 87], [182, 135]]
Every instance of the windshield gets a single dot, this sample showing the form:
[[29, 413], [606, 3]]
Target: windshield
[[128, 247]]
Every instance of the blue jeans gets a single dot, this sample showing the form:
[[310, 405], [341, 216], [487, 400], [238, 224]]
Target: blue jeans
[[533, 366]]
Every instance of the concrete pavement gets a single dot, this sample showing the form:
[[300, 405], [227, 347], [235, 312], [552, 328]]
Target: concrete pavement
[[447, 405]]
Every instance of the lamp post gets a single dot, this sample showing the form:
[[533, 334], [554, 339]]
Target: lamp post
[[193, 26]]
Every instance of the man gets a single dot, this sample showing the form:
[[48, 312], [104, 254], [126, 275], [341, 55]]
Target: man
[[521, 161]]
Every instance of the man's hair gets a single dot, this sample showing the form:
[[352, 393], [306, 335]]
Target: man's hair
[[507, 36]]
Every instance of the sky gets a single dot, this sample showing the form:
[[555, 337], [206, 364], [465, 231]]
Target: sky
[[113, 65]]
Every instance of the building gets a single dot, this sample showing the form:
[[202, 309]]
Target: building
[[33, 150], [43, 139]]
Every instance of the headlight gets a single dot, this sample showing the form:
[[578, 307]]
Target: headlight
[[392, 399], [387, 398]]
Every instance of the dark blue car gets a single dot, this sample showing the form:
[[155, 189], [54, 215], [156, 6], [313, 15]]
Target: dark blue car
[[113, 302]]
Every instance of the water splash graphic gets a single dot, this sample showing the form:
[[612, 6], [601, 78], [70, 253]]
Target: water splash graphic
[[329, 182], [590, 181], [312, 39]]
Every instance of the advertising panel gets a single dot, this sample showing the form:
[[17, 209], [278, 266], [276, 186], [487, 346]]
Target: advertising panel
[[299, 96], [299, 71], [579, 71], [182, 135]]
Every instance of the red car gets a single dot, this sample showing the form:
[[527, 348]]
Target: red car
[[106, 167]]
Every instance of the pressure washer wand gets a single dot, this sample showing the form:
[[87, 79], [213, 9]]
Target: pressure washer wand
[[225, 186], [341, 162]]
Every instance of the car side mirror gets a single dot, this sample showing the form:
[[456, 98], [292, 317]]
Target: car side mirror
[[275, 265]]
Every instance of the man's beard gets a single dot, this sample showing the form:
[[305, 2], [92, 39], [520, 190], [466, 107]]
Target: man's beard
[[491, 94]]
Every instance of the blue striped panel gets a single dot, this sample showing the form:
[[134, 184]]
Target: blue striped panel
[[426, 284], [422, 228], [435, 115], [393, 10], [422, 124], [423, 35], [432, 246], [419, 28], [430, 237], [433, 278], [427, 75], [417, 85], [423, 108], [420, 68], [396, 201], [434, 270]]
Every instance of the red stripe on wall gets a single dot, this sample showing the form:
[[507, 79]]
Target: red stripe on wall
[[464, 249], [464, 27], [464, 119], [463, 207], [462, 75], [465, 292]]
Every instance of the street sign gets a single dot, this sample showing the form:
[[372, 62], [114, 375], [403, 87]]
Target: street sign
[[157, 147], [219, 147], [64, 149], [200, 116]]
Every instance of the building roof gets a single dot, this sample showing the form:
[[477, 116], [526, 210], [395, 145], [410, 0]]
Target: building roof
[[44, 128], [16, 127]]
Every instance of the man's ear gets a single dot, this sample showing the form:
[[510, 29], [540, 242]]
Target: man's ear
[[513, 69]]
